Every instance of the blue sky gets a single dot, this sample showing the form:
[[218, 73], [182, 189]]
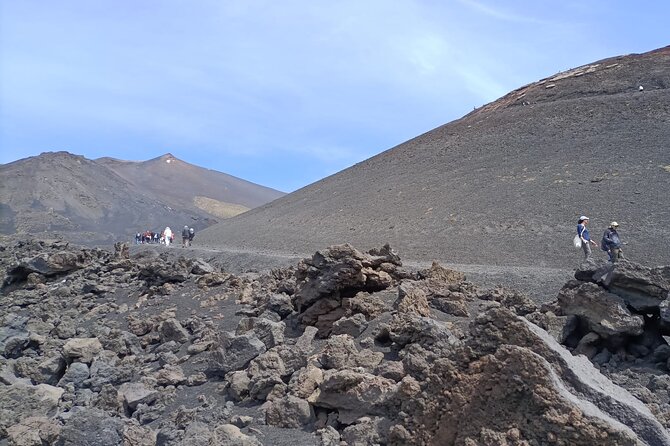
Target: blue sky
[[282, 93]]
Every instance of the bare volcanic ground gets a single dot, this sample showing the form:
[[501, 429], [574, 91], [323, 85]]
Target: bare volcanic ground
[[167, 346], [505, 184]]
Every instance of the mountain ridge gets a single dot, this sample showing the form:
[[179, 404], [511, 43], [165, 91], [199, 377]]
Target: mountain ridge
[[109, 199]]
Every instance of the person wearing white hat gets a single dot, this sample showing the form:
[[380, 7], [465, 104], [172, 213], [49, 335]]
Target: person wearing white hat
[[612, 243], [585, 236]]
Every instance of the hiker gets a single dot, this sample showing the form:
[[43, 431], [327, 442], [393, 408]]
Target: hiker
[[138, 238], [584, 236], [168, 235], [191, 234], [184, 236], [611, 243]]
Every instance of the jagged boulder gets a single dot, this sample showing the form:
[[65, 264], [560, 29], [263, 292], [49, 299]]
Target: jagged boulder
[[370, 305], [640, 287], [210, 280], [158, 272], [440, 277], [423, 331], [341, 352], [593, 271], [523, 402], [265, 372], [48, 264], [33, 431], [353, 394], [82, 349], [573, 379], [171, 330], [136, 393], [367, 430], [280, 304], [238, 384], [305, 381], [231, 435], [605, 313], [92, 427], [520, 303], [48, 370], [170, 375], [235, 352], [200, 267], [560, 327], [76, 374], [269, 332], [14, 335], [21, 400], [290, 412], [352, 326], [337, 273], [411, 300]]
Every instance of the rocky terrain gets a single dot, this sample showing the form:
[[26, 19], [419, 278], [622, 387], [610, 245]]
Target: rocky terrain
[[106, 200], [505, 184], [162, 347]]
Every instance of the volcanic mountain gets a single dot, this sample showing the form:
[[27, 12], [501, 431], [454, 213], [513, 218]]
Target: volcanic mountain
[[192, 187], [107, 199], [506, 183]]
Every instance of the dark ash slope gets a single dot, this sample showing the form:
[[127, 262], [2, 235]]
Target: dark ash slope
[[503, 185], [181, 181]]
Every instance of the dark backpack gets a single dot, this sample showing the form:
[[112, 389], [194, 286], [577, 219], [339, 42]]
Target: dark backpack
[[604, 243]]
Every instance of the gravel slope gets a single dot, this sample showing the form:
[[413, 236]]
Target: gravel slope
[[505, 184]]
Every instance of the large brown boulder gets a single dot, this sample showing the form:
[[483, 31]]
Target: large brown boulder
[[341, 352], [353, 394], [514, 384], [514, 394], [289, 411], [411, 300]]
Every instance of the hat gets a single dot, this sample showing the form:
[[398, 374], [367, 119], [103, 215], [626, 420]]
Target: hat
[[614, 224], [583, 217]]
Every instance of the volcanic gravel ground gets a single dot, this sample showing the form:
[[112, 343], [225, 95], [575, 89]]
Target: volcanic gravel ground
[[540, 283]]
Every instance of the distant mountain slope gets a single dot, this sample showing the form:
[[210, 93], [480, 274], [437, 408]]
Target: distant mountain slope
[[506, 183], [167, 176], [85, 200]]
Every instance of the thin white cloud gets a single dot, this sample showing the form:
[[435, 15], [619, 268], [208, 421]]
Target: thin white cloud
[[500, 14]]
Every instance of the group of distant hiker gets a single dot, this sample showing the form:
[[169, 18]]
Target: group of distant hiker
[[166, 237], [187, 235], [610, 243]]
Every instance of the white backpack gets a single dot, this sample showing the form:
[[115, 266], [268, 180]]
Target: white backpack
[[577, 241]]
